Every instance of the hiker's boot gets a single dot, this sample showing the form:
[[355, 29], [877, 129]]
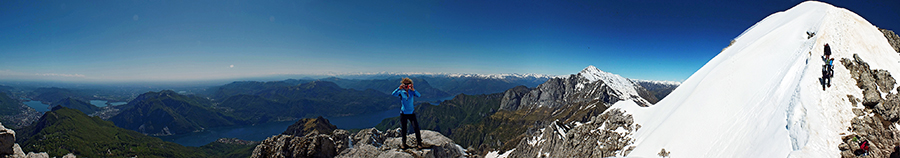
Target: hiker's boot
[[424, 146], [404, 146]]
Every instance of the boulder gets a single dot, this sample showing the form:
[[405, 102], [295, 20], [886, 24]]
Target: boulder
[[890, 108], [866, 80], [7, 140], [884, 80], [369, 136], [37, 155]]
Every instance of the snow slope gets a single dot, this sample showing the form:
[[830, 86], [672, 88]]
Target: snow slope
[[761, 97]]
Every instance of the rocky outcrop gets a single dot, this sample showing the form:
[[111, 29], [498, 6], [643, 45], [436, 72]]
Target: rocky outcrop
[[374, 143], [312, 137], [325, 141], [865, 80], [7, 139], [307, 125], [10, 149], [892, 38], [884, 80], [606, 135], [882, 136], [875, 122], [512, 97], [311, 145]]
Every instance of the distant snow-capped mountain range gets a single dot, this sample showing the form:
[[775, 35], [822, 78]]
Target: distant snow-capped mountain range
[[475, 75]]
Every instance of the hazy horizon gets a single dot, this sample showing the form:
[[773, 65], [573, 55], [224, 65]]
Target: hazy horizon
[[192, 41]]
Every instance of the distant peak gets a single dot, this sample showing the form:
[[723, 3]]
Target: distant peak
[[594, 74]]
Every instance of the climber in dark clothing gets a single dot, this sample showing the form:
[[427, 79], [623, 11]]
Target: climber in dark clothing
[[827, 72], [406, 92], [828, 68]]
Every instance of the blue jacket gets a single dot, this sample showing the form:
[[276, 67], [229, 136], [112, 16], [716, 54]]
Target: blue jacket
[[406, 100]]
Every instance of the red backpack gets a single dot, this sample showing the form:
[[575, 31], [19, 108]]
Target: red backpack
[[864, 145]]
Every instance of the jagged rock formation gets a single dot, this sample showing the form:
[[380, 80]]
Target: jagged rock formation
[[875, 122], [605, 135], [310, 137], [304, 126], [317, 141], [10, 149], [873, 83], [865, 78], [512, 98], [892, 38], [591, 85]]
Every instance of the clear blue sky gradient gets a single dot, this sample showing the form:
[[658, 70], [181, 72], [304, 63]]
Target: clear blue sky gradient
[[199, 40]]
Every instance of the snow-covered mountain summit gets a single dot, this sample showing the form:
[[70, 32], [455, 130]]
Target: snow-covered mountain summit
[[621, 84], [762, 96], [589, 88]]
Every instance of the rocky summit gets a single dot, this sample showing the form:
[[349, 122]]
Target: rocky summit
[[341, 143], [10, 149], [606, 135]]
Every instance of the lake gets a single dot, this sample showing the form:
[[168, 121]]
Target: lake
[[37, 105], [262, 131], [102, 103]]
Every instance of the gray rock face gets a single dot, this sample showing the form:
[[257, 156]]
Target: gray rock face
[[890, 108], [366, 144], [892, 38], [512, 97], [7, 140], [884, 80], [606, 135], [10, 149], [878, 130]]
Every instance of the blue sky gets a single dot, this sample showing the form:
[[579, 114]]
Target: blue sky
[[103, 41]]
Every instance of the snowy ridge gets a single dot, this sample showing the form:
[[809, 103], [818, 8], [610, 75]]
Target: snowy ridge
[[761, 97], [621, 84]]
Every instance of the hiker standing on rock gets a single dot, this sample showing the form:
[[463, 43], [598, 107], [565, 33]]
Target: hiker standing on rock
[[406, 92]]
